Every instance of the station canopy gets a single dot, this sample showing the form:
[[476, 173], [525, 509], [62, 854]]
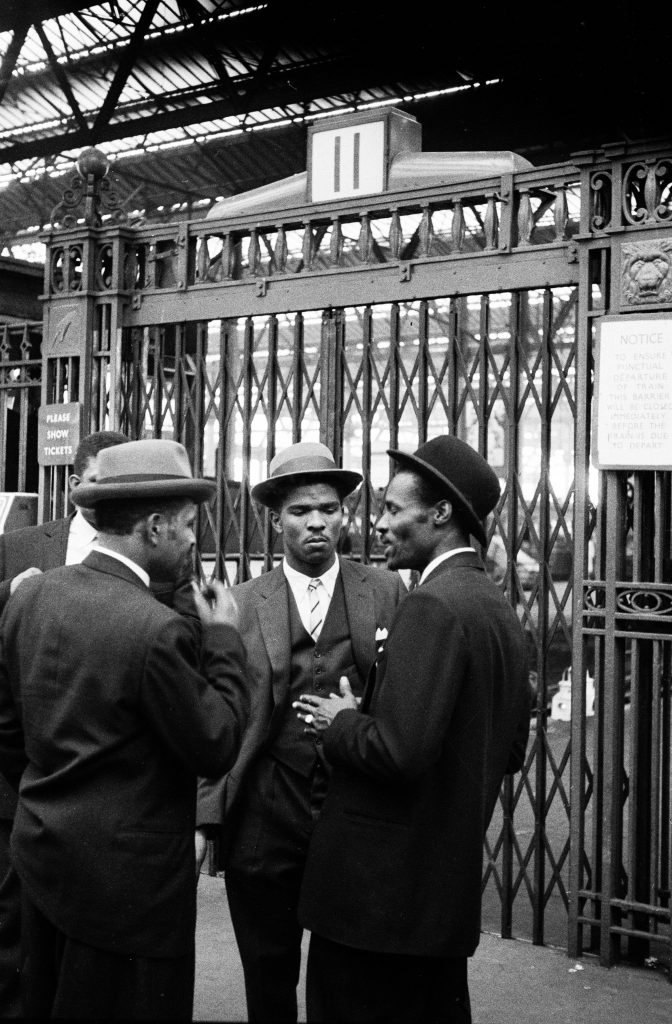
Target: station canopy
[[196, 100]]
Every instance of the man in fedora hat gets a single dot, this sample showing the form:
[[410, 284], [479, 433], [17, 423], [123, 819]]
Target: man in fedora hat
[[392, 886], [308, 623], [109, 711], [24, 553]]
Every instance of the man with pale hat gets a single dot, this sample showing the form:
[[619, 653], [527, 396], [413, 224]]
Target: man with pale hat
[[109, 712], [392, 885], [25, 553], [313, 623]]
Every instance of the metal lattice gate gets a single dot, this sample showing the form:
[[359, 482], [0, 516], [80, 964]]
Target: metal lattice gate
[[466, 308], [498, 370]]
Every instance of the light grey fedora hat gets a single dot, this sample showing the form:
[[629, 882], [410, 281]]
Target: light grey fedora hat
[[143, 469], [308, 460]]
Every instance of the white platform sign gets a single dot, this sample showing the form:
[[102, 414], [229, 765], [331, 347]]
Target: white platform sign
[[632, 414], [348, 161]]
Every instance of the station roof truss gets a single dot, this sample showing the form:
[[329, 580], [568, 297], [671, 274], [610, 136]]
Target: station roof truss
[[195, 100]]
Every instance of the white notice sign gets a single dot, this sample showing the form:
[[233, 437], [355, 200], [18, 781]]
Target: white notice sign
[[632, 415]]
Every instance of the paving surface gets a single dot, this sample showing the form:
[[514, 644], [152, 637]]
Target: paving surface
[[511, 982]]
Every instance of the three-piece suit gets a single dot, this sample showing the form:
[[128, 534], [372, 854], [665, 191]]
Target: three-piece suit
[[395, 861], [113, 711], [265, 808]]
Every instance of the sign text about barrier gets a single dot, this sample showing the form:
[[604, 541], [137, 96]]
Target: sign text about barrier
[[632, 414]]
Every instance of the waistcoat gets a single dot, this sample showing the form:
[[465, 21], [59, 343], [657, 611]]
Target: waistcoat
[[314, 668]]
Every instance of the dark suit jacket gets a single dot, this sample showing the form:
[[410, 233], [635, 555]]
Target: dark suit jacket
[[395, 860], [44, 547], [371, 598], [103, 702]]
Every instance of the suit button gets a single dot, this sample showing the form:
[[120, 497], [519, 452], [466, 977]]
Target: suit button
[[318, 687]]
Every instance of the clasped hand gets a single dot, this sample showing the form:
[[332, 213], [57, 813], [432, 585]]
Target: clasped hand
[[319, 712]]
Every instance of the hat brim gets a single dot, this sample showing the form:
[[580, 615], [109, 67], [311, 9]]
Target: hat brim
[[344, 480], [88, 495], [453, 493]]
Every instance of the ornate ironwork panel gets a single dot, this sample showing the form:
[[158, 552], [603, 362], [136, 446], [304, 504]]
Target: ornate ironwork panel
[[20, 381]]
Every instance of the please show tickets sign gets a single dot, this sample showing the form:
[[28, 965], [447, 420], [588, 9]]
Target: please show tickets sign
[[58, 433]]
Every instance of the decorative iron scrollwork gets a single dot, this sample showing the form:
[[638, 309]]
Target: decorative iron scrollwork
[[600, 199], [89, 186], [594, 602], [66, 268], [639, 606], [104, 266], [647, 192], [646, 272], [639, 601]]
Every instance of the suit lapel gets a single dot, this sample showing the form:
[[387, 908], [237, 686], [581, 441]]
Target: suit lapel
[[463, 559], [55, 543], [273, 615], [360, 606]]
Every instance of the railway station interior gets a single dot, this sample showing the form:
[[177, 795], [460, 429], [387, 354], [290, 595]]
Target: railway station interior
[[243, 225]]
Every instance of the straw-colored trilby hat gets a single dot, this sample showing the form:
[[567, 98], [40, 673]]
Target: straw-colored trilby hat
[[461, 473], [308, 460], [143, 469]]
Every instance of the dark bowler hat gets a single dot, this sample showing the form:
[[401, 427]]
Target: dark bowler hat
[[143, 469], [309, 460], [467, 479]]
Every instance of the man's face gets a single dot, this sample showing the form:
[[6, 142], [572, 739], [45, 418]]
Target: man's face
[[310, 522], [89, 475], [173, 557], [406, 527]]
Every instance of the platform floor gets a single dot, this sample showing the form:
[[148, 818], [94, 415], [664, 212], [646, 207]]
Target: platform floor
[[511, 982]]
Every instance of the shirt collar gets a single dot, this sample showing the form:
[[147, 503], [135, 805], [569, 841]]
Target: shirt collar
[[127, 561], [300, 580], [442, 558], [82, 528]]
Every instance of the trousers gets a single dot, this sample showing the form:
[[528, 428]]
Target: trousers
[[354, 986]]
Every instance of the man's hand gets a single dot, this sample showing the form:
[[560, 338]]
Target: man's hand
[[25, 575], [319, 712], [201, 849], [215, 604]]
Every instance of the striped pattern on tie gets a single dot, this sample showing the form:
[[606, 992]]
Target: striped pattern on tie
[[315, 604]]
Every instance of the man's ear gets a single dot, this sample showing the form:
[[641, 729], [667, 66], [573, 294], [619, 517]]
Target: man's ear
[[73, 481], [276, 522], [443, 511], [153, 528]]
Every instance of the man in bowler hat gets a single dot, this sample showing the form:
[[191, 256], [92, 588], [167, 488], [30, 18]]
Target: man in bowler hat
[[311, 624], [111, 706], [392, 885]]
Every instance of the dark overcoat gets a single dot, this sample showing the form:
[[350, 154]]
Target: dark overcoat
[[43, 547], [371, 598], [105, 704], [395, 860]]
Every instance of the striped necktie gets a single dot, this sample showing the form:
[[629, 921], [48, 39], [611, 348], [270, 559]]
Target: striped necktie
[[315, 599]]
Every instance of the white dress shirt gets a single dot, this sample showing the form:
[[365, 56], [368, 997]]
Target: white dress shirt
[[81, 538], [298, 583]]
